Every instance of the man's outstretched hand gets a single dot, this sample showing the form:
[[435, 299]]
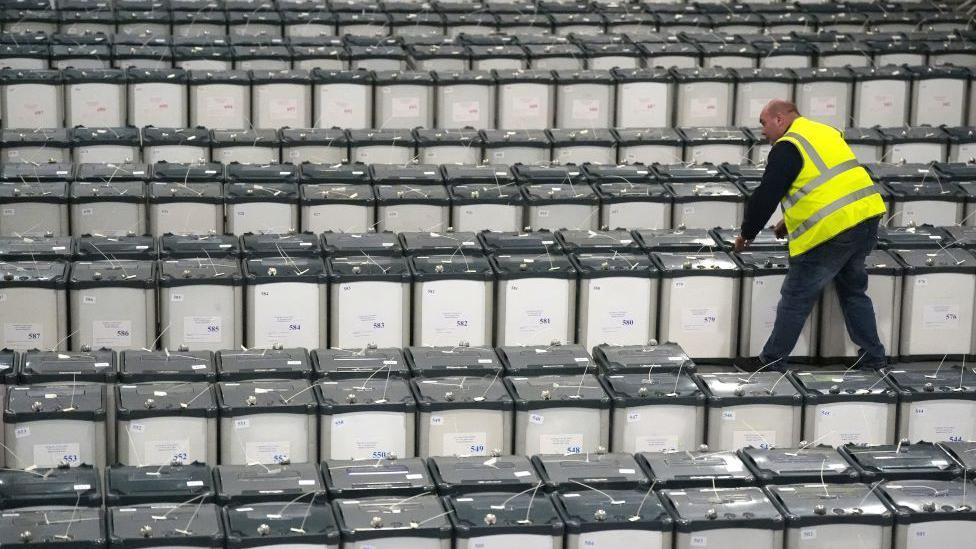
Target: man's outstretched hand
[[741, 243], [780, 229]]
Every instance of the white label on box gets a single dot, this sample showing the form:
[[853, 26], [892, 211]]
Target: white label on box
[[466, 111], [436, 420], [137, 427], [699, 540], [9, 211], [921, 281], [167, 451], [883, 102], [202, 329], [52, 455], [728, 415], [111, 334], [81, 487], [414, 476], [405, 107], [537, 419], [306, 482], [656, 444], [20, 335], [277, 451], [941, 315], [284, 108], [521, 474], [699, 319], [465, 444], [176, 298], [22, 431], [678, 284], [807, 534], [220, 104], [647, 104], [570, 443], [756, 439], [823, 106], [586, 109], [88, 300], [87, 211], [527, 106], [633, 416], [335, 110], [703, 107], [194, 483], [242, 423]]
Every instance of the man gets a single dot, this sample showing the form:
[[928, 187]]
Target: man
[[831, 211]]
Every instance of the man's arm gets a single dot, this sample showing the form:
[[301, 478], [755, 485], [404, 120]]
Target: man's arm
[[782, 166]]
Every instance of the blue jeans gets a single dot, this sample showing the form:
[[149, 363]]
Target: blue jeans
[[841, 260]]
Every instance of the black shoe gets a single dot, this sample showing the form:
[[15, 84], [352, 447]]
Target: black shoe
[[755, 364]]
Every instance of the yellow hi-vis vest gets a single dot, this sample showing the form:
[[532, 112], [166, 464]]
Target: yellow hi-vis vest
[[832, 192]]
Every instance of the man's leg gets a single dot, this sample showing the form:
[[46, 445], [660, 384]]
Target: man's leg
[[852, 285], [809, 273]]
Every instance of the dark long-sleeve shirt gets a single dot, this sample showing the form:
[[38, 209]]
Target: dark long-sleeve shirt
[[782, 166]]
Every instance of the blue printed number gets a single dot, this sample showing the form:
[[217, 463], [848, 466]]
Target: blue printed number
[[462, 322], [574, 450], [379, 324], [70, 458], [295, 327], [213, 329], [34, 335], [545, 320], [122, 333], [477, 448], [379, 454], [279, 458], [628, 322]]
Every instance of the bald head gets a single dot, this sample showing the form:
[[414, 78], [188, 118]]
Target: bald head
[[776, 118]]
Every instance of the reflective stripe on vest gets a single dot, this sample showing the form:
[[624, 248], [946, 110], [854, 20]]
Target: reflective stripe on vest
[[822, 213]]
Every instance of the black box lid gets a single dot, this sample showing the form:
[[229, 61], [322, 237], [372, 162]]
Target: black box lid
[[185, 173], [387, 517], [452, 361], [131, 485], [68, 366], [65, 486], [355, 245], [240, 484], [139, 365], [189, 525], [30, 191], [653, 357], [806, 464], [928, 500], [286, 245], [501, 513], [469, 474], [365, 394], [557, 391], [673, 388], [588, 241], [76, 401], [603, 471], [281, 396], [199, 246], [939, 380], [46, 526], [33, 274], [590, 511], [239, 365], [521, 243], [826, 386], [278, 523], [698, 510], [90, 248], [805, 505], [530, 360], [365, 478], [357, 363], [696, 469], [122, 273], [902, 461]]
